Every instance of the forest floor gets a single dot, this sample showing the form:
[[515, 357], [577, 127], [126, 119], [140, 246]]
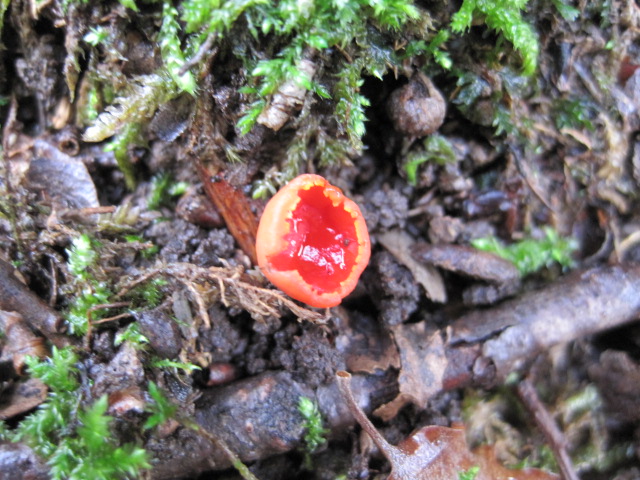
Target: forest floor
[[495, 158]]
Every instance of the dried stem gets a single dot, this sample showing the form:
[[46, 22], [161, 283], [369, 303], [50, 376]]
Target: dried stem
[[242, 469], [555, 438], [258, 301], [393, 454]]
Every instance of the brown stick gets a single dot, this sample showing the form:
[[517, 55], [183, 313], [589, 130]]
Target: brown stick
[[580, 304], [16, 296], [555, 438]]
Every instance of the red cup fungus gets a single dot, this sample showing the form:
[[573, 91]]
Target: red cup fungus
[[313, 242]]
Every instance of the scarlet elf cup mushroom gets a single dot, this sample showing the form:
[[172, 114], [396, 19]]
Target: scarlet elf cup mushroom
[[313, 242]]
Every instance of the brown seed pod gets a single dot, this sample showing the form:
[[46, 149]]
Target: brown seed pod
[[418, 108]]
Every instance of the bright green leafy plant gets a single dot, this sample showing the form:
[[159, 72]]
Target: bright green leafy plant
[[469, 474], [161, 409]]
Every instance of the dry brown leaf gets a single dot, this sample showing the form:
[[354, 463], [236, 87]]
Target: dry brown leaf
[[234, 207], [400, 245], [423, 363]]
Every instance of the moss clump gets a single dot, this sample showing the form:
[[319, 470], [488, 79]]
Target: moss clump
[[76, 442]]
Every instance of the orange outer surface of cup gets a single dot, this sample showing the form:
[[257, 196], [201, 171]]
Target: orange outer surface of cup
[[271, 240]]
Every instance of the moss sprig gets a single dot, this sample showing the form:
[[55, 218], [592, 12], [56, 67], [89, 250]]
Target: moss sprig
[[137, 104], [171, 49], [505, 17], [89, 289]]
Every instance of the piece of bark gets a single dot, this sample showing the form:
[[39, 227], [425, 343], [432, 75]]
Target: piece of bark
[[198, 209], [15, 296], [124, 371], [20, 341], [21, 397], [256, 417], [162, 332], [499, 278], [65, 178], [577, 305], [19, 462], [467, 261]]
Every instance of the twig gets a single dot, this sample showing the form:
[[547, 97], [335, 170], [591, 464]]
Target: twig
[[90, 322], [242, 469], [555, 438], [204, 48]]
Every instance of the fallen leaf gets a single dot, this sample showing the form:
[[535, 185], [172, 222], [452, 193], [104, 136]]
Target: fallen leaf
[[400, 245], [423, 363], [234, 207]]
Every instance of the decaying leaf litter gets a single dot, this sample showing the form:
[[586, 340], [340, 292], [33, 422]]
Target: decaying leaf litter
[[140, 143]]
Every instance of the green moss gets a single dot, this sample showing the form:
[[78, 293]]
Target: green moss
[[163, 189], [276, 41], [505, 17], [436, 149], [171, 364], [469, 474], [531, 254], [131, 334], [566, 11], [135, 104], [161, 409], [82, 306], [434, 48], [574, 113], [315, 432], [170, 47], [77, 443], [88, 290], [130, 135], [82, 255]]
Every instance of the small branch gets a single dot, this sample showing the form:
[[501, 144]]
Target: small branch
[[218, 442], [394, 454], [202, 51], [555, 438]]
